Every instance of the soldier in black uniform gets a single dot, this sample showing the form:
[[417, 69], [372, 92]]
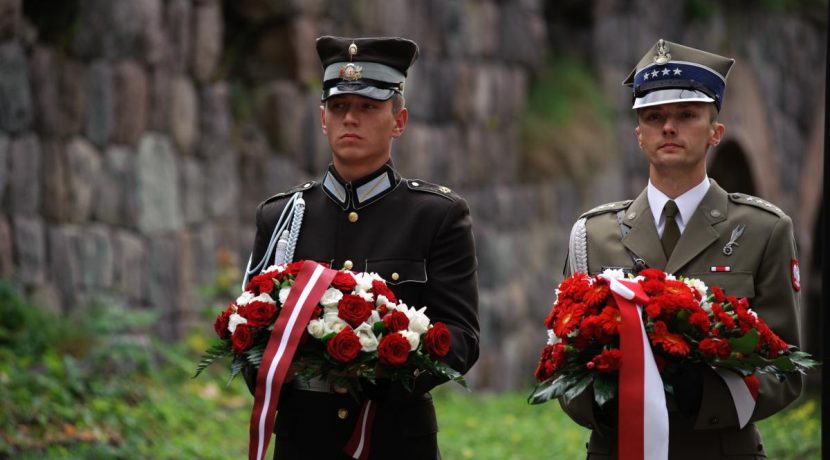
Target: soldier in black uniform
[[364, 216]]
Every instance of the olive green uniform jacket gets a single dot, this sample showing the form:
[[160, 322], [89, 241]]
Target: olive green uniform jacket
[[760, 269]]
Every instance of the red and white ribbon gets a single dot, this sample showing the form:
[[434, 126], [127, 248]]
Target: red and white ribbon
[[643, 418], [358, 445], [308, 288]]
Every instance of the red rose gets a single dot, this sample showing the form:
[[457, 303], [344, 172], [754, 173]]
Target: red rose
[[344, 282], [242, 338], [263, 283], [396, 321], [344, 346], [260, 314], [608, 361], [380, 288], [353, 310], [293, 268], [393, 349], [220, 325], [437, 340]]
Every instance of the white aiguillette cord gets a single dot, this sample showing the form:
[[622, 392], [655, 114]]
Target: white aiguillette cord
[[283, 239]]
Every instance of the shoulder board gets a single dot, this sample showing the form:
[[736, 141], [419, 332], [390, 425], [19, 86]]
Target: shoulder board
[[750, 200], [608, 207], [419, 185], [299, 188]]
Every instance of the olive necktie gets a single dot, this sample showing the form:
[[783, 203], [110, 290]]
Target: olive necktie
[[671, 233]]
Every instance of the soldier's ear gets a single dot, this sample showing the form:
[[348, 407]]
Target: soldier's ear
[[718, 130], [323, 117], [638, 136], [400, 122]]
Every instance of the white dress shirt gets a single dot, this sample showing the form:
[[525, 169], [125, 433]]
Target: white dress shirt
[[686, 203]]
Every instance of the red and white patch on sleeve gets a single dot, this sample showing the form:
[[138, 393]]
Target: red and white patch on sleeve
[[796, 275]]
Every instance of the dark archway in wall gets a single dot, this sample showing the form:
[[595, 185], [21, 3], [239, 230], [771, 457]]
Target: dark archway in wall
[[729, 167]]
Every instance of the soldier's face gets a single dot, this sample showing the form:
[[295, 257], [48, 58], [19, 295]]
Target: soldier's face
[[675, 137], [360, 130]]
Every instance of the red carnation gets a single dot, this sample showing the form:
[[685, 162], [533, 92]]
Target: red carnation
[[575, 286], [552, 359], [437, 340], [344, 282], [769, 339], [396, 321], [701, 320], [715, 347], [344, 346], [220, 325], [393, 349], [242, 338], [672, 344], [608, 361], [718, 294], [293, 268], [380, 288], [260, 314], [353, 309]]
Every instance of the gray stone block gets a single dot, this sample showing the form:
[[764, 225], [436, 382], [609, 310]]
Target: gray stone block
[[101, 103], [54, 188], [130, 108], [214, 114], [11, 18], [115, 202], [193, 191], [4, 165], [203, 250], [83, 169], [184, 115], [16, 109], [153, 47], [281, 116], [30, 248], [208, 29], [6, 247], [95, 257], [111, 29], [24, 175], [59, 90], [157, 186], [161, 282], [64, 266], [128, 265], [522, 35], [161, 93], [222, 187], [179, 28]]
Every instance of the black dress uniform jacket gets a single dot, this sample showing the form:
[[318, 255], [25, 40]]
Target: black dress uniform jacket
[[418, 237]]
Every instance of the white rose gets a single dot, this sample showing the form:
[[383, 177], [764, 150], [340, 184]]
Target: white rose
[[418, 321], [334, 322], [284, 295], [364, 281], [368, 341], [367, 296], [331, 298], [317, 328], [374, 317], [264, 298], [235, 320], [245, 298], [414, 338], [381, 300]]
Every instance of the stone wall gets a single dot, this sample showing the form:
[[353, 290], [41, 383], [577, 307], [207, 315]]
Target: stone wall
[[138, 136]]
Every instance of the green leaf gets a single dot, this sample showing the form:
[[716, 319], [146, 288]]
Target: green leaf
[[578, 388], [605, 389], [254, 354], [216, 352], [745, 344], [236, 367], [556, 387]]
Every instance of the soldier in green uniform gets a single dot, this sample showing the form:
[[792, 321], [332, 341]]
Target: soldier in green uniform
[[362, 215], [685, 224]]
